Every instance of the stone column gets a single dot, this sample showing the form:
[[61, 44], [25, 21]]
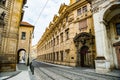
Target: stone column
[[101, 63]]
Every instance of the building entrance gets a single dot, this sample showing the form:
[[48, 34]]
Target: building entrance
[[83, 57]]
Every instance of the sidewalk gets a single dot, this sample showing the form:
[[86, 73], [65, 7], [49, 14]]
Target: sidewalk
[[22, 73]]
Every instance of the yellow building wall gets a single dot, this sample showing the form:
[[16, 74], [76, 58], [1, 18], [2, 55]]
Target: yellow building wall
[[47, 50], [27, 43]]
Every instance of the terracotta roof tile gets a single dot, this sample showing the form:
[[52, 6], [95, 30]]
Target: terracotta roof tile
[[26, 24]]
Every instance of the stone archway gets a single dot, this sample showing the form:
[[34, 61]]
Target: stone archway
[[111, 18], [21, 56]]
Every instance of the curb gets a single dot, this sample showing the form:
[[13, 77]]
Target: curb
[[12, 75]]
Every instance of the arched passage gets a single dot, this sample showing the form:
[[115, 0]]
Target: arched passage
[[21, 56]]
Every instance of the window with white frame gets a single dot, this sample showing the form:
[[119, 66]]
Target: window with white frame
[[23, 36]]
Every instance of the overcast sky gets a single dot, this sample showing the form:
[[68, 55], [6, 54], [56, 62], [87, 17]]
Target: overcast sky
[[33, 11]]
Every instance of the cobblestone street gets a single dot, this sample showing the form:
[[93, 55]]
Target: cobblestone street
[[46, 71]]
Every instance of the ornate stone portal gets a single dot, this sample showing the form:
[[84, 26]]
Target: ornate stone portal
[[85, 54]]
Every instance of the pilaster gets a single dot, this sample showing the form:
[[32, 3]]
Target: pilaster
[[102, 63]]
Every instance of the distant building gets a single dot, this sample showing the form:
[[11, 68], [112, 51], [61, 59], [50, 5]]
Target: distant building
[[10, 17], [33, 54], [24, 42], [69, 39]]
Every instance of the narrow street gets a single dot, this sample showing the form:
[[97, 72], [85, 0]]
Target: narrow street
[[46, 71]]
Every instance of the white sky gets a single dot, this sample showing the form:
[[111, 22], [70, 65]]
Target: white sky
[[33, 11]]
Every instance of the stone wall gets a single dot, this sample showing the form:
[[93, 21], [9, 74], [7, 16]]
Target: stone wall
[[7, 62]]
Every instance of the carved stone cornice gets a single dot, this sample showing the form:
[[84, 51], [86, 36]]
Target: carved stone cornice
[[95, 9]]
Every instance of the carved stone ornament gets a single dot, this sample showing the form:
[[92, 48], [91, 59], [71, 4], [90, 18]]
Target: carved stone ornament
[[96, 5]]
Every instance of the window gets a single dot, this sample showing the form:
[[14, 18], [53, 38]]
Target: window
[[61, 37], [54, 41], [83, 25], [23, 37], [49, 44], [61, 52], [67, 34], [57, 39], [84, 9], [2, 2], [79, 11], [57, 56], [118, 28], [67, 19]]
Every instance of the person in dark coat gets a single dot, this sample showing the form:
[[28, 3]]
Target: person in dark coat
[[32, 68]]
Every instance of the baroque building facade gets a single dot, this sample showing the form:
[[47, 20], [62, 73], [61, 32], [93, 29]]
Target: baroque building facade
[[24, 42], [10, 16], [33, 54], [69, 39], [106, 15]]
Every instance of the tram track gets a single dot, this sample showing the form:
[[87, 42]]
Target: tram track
[[90, 74], [57, 73], [42, 74], [71, 75], [51, 74]]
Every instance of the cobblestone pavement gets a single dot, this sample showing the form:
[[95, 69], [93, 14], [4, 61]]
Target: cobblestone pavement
[[45, 71]]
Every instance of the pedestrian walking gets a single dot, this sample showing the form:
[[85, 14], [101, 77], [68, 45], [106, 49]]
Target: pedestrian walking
[[32, 68]]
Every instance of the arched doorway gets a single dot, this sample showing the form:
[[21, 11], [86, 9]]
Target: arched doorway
[[21, 56], [83, 56]]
